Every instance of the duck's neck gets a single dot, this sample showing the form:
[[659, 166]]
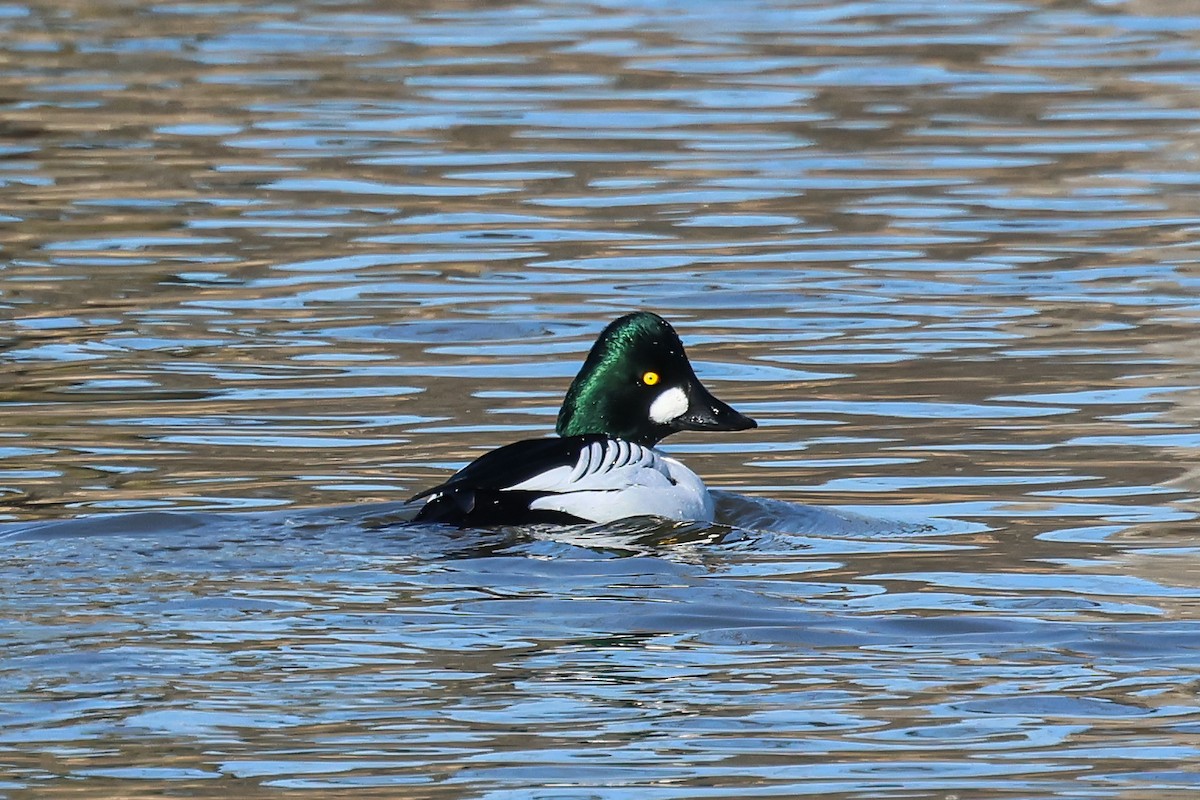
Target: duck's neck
[[582, 416]]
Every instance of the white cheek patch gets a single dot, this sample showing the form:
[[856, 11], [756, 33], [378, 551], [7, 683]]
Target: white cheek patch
[[668, 405]]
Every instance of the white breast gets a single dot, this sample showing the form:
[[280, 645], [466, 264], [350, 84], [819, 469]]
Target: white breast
[[614, 479]]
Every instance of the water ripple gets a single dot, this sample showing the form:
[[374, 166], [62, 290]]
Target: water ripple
[[270, 270]]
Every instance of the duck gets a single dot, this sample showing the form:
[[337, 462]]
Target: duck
[[635, 388]]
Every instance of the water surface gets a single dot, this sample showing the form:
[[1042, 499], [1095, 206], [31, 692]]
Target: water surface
[[266, 271]]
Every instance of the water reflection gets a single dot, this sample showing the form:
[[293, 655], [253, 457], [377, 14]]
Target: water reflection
[[268, 270]]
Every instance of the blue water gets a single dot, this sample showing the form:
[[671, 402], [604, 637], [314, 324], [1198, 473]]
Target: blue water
[[268, 271]]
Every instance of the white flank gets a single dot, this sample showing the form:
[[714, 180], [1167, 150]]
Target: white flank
[[668, 405], [615, 479]]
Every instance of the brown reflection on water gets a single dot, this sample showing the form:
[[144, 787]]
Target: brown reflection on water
[[290, 257]]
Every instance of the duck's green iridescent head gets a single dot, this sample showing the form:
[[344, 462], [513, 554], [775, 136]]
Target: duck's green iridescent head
[[638, 385]]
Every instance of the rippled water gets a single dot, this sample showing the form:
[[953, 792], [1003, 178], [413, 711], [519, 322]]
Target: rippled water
[[267, 270]]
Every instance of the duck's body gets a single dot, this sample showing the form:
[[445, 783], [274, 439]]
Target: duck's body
[[571, 479], [635, 388]]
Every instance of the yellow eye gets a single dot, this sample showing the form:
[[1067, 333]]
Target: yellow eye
[[650, 378]]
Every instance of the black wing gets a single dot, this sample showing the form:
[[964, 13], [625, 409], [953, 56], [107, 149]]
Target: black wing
[[476, 494]]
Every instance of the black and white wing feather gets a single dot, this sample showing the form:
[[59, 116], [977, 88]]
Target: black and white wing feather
[[569, 479]]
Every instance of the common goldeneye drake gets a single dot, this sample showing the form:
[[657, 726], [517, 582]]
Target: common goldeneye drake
[[636, 387]]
